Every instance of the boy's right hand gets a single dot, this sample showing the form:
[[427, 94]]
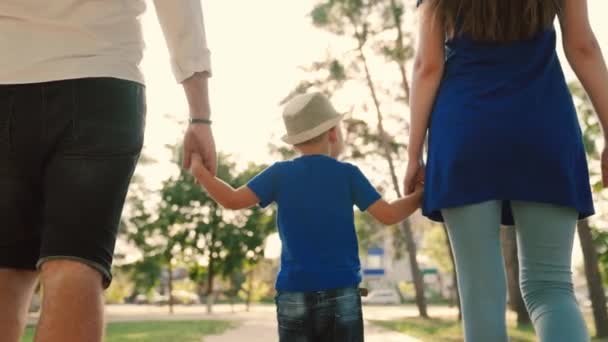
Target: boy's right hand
[[197, 168]]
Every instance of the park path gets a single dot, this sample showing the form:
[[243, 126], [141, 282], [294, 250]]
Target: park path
[[260, 326]]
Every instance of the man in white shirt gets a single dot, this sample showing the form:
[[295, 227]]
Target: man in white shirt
[[72, 113]]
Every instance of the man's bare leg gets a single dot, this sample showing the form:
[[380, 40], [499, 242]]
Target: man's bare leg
[[16, 289], [72, 307]]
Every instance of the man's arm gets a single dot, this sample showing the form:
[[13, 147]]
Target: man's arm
[[199, 137], [222, 192], [396, 211], [184, 30]]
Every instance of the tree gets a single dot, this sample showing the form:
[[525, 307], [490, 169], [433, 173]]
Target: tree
[[456, 291], [365, 23], [516, 301], [601, 240], [237, 279], [592, 133], [594, 280], [158, 237], [189, 225], [436, 245]]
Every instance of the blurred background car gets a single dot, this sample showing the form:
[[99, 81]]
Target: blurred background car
[[382, 296]]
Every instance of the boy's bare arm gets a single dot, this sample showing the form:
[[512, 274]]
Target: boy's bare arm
[[396, 211], [222, 192]]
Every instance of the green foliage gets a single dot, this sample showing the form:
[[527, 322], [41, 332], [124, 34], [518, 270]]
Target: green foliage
[[237, 282], [434, 246], [375, 29], [260, 289], [146, 273], [406, 289], [182, 331], [592, 138], [188, 225], [122, 287], [444, 329], [369, 232], [335, 15], [601, 240]]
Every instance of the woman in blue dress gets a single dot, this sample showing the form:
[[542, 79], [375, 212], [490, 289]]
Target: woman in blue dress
[[505, 147]]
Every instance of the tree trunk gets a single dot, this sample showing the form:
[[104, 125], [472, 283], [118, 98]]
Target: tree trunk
[[509, 250], [400, 47], [210, 276], [170, 281], [594, 280], [455, 293], [405, 225], [416, 274], [249, 289]]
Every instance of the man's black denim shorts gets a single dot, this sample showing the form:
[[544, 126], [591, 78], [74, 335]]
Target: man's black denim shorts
[[68, 150]]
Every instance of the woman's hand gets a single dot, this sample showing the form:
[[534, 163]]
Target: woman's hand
[[414, 174]]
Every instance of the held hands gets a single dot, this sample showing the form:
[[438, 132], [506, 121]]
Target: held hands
[[419, 188], [198, 169], [414, 176], [198, 140], [418, 193]]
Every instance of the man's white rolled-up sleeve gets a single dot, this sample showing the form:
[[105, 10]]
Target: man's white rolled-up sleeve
[[184, 29]]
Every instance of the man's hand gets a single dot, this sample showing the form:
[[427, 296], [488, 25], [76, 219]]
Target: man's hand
[[199, 137], [199, 140]]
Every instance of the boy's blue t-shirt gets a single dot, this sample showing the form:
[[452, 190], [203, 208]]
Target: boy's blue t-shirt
[[315, 195]]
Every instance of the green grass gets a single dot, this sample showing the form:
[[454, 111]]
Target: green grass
[[449, 330], [182, 331]]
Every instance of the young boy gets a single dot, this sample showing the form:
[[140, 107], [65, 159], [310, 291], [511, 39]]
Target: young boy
[[317, 286]]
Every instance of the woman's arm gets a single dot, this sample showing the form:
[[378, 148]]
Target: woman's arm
[[585, 56], [428, 71], [222, 192], [396, 211]]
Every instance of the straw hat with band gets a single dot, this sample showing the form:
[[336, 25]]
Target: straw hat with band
[[308, 116]]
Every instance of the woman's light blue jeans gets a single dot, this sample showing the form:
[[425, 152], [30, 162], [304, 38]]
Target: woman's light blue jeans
[[545, 236]]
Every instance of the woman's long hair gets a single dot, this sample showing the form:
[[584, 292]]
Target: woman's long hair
[[496, 20]]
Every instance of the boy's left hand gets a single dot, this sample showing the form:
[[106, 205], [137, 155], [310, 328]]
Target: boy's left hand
[[419, 187], [415, 174]]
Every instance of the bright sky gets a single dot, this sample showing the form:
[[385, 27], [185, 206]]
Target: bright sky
[[257, 49]]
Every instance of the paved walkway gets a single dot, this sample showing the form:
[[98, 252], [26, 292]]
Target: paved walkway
[[258, 325]]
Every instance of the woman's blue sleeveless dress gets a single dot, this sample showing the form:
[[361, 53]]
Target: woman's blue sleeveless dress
[[504, 127]]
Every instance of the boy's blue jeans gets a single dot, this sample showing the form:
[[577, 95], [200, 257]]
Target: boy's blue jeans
[[322, 316]]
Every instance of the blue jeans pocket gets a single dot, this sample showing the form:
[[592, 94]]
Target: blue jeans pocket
[[291, 317], [348, 325]]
